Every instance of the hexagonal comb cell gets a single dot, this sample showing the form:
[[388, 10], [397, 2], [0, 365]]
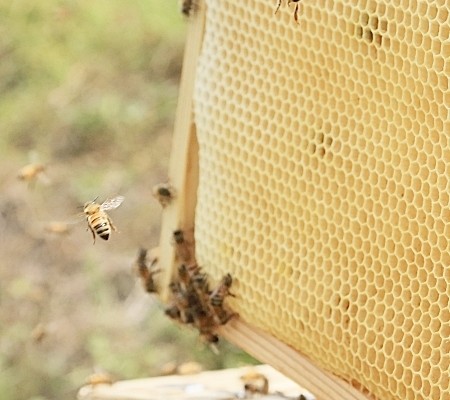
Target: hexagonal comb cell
[[324, 182]]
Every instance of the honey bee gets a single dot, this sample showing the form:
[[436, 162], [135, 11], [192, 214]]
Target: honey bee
[[288, 3], [180, 309], [173, 312], [255, 383], [200, 282], [98, 220], [223, 289], [31, 172], [58, 228], [182, 247], [187, 7], [145, 272], [216, 299], [164, 193], [183, 275], [209, 337]]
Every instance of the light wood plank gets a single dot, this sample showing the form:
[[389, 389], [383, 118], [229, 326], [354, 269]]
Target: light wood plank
[[183, 167], [213, 385], [288, 361]]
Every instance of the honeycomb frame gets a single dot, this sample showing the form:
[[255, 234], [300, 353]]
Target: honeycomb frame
[[322, 169]]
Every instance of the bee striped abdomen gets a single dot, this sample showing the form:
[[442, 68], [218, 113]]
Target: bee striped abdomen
[[101, 226], [216, 300], [98, 220]]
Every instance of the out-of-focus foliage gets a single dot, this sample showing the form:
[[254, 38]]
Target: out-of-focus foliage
[[88, 88]]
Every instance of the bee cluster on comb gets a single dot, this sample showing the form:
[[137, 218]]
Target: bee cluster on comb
[[192, 302]]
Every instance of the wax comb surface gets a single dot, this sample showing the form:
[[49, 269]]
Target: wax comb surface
[[324, 182]]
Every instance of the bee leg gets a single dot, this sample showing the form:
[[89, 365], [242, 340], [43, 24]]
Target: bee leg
[[93, 233], [278, 6], [111, 223], [296, 13]]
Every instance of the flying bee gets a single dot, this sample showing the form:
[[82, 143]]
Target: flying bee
[[297, 4], [58, 228], [145, 272], [164, 193], [30, 173], [187, 7], [98, 220]]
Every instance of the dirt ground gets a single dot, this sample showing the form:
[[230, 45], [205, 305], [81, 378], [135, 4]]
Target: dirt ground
[[89, 90]]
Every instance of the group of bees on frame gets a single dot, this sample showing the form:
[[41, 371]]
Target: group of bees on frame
[[192, 301], [188, 7]]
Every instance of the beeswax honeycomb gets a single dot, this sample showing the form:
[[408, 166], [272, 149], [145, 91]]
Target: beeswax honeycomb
[[324, 183]]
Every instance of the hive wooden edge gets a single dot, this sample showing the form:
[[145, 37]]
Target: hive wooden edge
[[268, 349], [183, 165], [226, 382]]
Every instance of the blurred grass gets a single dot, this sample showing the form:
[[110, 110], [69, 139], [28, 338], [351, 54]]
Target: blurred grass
[[89, 89]]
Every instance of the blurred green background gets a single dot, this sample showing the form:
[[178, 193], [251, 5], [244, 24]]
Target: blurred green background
[[88, 88]]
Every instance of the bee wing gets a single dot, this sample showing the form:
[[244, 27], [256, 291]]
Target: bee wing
[[112, 203]]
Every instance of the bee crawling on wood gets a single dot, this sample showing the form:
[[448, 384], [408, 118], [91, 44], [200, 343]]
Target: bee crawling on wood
[[297, 4], [221, 291], [192, 302], [183, 247], [164, 193], [255, 383], [217, 297], [188, 7]]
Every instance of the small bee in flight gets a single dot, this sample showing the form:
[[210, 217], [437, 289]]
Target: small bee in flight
[[288, 3], [98, 221], [32, 173]]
